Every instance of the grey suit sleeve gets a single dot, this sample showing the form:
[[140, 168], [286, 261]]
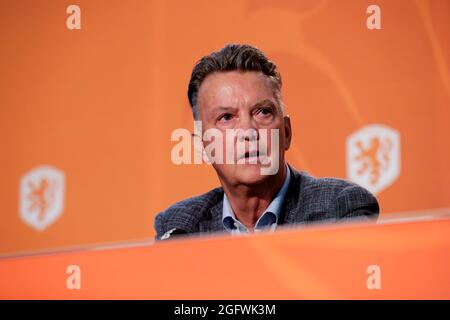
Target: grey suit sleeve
[[158, 225], [355, 202]]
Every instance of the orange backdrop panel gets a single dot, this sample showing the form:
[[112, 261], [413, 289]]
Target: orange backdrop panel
[[314, 264]]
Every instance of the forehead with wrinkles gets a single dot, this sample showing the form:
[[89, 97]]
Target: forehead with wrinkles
[[234, 89]]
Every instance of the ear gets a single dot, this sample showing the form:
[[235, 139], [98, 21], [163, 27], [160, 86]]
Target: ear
[[287, 132]]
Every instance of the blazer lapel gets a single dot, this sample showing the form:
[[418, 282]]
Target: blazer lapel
[[213, 221], [292, 209]]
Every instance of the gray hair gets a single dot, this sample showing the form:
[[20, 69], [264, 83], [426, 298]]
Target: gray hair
[[242, 57]]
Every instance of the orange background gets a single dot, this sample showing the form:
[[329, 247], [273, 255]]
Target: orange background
[[100, 103]]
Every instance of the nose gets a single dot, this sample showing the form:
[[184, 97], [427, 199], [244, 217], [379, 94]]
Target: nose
[[247, 129]]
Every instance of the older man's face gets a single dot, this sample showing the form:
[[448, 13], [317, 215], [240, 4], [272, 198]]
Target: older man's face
[[243, 100]]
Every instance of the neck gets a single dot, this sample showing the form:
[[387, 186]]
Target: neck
[[249, 201]]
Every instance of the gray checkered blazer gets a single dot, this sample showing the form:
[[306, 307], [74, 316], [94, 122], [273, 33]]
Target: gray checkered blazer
[[307, 200]]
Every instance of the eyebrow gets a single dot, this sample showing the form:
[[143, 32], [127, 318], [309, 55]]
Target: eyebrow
[[224, 109], [264, 102], [231, 109]]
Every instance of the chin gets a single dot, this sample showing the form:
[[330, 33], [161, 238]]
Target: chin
[[249, 174]]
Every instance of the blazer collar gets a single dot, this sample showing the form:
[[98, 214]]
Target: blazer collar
[[292, 201], [214, 218]]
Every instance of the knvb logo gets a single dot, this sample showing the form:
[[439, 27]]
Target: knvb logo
[[42, 197], [373, 157]]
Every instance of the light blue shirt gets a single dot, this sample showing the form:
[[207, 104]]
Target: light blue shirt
[[269, 218]]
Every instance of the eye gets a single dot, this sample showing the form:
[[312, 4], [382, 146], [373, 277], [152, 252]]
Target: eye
[[225, 117], [264, 112]]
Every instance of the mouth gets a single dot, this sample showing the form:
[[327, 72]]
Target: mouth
[[251, 155]]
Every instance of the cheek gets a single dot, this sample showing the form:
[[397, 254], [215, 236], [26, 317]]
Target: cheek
[[275, 138]]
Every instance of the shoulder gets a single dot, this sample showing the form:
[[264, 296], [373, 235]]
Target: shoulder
[[334, 198], [326, 186], [185, 215]]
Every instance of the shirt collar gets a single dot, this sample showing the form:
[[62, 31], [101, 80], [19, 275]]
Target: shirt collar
[[269, 218]]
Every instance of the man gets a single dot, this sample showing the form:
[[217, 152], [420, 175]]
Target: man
[[238, 88]]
